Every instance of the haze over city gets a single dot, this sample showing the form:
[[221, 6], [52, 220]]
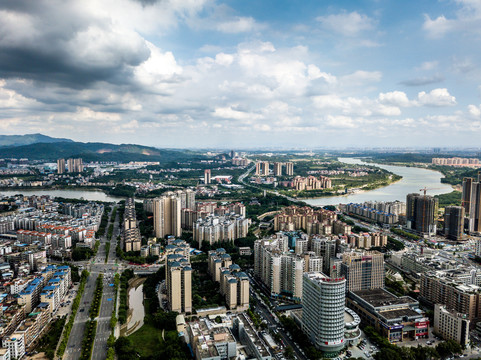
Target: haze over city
[[271, 73]]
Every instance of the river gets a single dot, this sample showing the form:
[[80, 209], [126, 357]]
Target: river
[[412, 180], [91, 195], [136, 306]]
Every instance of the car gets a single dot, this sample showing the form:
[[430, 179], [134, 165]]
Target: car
[[82, 310]]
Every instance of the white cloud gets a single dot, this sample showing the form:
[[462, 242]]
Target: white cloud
[[474, 110], [238, 25], [397, 98], [347, 24], [436, 97], [438, 27]]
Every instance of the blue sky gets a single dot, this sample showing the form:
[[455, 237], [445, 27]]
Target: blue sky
[[240, 74]]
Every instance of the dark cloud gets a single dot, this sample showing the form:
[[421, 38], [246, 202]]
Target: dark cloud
[[54, 44], [420, 81]]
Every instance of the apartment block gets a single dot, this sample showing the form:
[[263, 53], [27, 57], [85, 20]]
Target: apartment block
[[179, 283], [454, 294], [15, 343], [167, 215], [60, 166], [451, 325], [289, 168], [278, 269]]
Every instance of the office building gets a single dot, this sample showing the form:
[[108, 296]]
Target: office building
[[363, 270], [396, 318], [454, 222], [289, 168], [167, 215], [323, 302], [278, 169], [421, 213], [178, 279], [451, 325], [60, 166], [207, 176]]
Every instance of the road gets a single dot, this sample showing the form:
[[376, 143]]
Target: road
[[96, 266], [108, 295], [74, 344], [266, 314]]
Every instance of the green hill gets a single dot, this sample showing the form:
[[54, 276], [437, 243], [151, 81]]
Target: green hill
[[95, 152], [18, 140]]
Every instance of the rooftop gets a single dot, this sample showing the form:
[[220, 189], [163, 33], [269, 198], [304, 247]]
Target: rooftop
[[381, 297]]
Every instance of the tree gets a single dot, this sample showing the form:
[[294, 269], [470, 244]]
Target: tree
[[448, 347]]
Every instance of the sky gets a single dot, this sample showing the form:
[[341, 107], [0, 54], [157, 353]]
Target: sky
[[243, 73]]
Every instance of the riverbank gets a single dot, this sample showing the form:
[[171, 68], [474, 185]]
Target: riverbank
[[413, 179], [135, 302]]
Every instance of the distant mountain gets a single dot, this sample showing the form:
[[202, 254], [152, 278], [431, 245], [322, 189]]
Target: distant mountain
[[95, 152], [18, 140]]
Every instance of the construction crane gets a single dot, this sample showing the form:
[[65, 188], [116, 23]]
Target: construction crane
[[424, 190]]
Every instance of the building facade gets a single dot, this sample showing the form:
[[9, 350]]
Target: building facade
[[323, 303]]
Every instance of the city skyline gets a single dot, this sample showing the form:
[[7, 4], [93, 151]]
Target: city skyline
[[231, 74]]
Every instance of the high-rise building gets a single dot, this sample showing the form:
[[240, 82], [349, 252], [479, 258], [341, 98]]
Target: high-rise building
[[454, 222], [466, 197], [475, 206], [289, 168], [75, 165], [265, 168], [278, 169], [262, 168], [60, 166], [421, 212], [187, 199], [363, 270], [323, 304], [207, 176], [178, 280], [278, 269], [167, 215], [411, 210]]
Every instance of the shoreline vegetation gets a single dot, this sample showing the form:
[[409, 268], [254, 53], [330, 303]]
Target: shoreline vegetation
[[301, 195]]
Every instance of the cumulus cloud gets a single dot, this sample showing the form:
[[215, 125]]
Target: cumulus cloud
[[347, 24], [397, 98], [436, 97]]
